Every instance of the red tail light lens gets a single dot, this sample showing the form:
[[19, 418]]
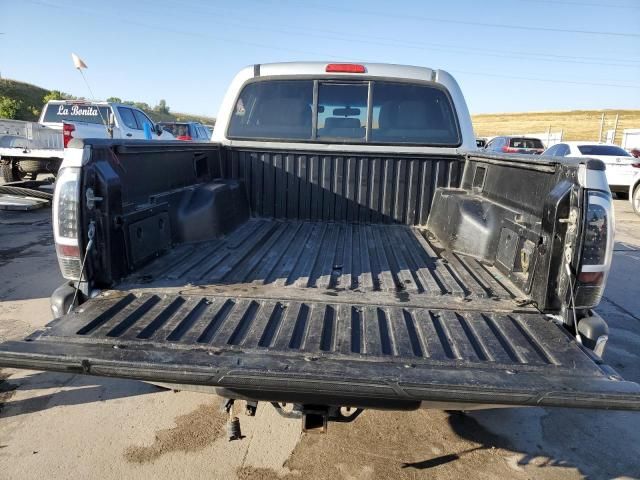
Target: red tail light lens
[[68, 250], [184, 137], [510, 150], [67, 133], [345, 68], [591, 278], [636, 165]]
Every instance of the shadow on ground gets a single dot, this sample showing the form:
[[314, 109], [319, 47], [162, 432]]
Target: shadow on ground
[[28, 261], [21, 398]]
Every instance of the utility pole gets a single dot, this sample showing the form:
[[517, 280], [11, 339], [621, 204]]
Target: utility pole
[[615, 128], [601, 127]]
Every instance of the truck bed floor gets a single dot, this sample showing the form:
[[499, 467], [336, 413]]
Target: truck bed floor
[[319, 260]]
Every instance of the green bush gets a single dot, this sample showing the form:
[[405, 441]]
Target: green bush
[[9, 107]]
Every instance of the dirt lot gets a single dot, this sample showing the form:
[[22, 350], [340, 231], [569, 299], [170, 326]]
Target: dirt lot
[[575, 125], [68, 426]]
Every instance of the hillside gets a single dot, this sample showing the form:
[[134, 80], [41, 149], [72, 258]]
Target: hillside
[[575, 124], [31, 98]]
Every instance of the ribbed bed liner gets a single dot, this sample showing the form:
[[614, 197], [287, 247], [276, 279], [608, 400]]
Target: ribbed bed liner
[[329, 313], [291, 326], [333, 353], [329, 256]]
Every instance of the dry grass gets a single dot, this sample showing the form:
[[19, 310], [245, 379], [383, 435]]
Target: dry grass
[[575, 124]]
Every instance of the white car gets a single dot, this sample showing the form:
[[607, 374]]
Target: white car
[[634, 189], [621, 165]]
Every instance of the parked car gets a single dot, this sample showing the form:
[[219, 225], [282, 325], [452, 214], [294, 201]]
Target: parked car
[[619, 163], [30, 148], [634, 188], [509, 144], [194, 131], [340, 243]]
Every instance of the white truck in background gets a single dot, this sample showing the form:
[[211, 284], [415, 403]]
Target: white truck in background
[[30, 148]]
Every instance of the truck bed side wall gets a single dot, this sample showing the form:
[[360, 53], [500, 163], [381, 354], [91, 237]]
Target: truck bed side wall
[[506, 214]]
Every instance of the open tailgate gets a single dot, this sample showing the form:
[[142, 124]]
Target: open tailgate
[[349, 353]]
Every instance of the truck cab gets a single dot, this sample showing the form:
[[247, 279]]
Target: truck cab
[[30, 148], [80, 119]]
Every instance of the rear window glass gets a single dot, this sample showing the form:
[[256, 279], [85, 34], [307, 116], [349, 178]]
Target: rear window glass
[[342, 110], [525, 143], [406, 113], [273, 109], [399, 112], [176, 129], [59, 112], [609, 150]]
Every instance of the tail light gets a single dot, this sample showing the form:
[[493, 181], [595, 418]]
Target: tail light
[[510, 150], [597, 249], [67, 133], [636, 165], [345, 68], [184, 137], [66, 210]]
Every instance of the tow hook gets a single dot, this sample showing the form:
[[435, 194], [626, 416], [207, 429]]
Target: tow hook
[[315, 418]]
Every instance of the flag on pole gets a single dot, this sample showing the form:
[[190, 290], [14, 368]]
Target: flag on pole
[[77, 62]]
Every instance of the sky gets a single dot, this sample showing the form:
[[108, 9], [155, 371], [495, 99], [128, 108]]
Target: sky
[[507, 55]]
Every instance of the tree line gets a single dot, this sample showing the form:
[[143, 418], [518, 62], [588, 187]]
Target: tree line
[[10, 107]]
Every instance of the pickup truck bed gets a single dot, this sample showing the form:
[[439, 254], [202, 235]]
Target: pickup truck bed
[[329, 289]]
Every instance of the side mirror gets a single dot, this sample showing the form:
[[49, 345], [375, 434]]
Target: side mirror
[[158, 129]]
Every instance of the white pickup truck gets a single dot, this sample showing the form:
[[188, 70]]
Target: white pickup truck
[[340, 242], [30, 148]]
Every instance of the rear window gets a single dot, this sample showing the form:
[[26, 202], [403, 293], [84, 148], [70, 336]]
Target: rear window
[[69, 112], [176, 129], [609, 150], [366, 111], [525, 143], [406, 113], [342, 110], [273, 109]]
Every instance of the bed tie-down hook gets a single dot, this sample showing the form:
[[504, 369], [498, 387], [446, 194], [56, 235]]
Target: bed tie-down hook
[[91, 198]]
